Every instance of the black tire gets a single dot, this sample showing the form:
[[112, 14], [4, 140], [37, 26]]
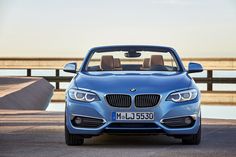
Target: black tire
[[73, 139], [194, 139]]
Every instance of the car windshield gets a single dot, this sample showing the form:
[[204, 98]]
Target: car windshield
[[132, 61]]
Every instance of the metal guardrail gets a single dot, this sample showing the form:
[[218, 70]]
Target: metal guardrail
[[58, 63], [209, 64]]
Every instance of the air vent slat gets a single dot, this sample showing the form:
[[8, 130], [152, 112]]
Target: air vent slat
[[146, 100], [119, 100]]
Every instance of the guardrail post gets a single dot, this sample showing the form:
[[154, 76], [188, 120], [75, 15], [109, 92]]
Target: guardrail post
[[209, 78], [57, 82], [28, 72]]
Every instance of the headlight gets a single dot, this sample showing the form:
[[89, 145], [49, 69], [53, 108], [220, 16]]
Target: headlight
[[182, 96], [82, 95]]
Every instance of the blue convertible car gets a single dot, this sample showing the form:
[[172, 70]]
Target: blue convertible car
[[132, 89]]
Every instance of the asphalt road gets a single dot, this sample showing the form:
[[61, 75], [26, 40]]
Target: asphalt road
[[33, 133]]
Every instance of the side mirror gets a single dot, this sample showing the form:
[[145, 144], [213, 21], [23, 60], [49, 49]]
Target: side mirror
[[70, 67], [194, 67]]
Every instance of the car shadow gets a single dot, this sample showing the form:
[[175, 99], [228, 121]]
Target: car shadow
[[130, 141]]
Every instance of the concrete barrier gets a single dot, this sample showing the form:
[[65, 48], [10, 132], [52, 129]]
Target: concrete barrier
[[25, 93]]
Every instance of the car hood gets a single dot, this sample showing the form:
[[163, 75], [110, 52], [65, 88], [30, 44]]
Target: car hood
[[123, 82]]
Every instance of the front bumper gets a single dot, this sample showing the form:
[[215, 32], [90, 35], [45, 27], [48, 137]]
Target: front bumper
[[101, 110]]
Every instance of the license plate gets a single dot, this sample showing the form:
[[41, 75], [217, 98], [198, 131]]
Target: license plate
[[132, 116]]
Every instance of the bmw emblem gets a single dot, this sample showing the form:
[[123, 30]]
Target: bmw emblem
[[132, 89]]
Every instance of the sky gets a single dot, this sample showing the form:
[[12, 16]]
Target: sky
[[69, 28]]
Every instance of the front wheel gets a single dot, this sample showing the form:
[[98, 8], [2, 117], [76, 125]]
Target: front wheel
[[72, 139], [194, 139]]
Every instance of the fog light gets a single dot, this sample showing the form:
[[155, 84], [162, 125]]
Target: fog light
[[178, 122], [188, 120], [78, 120]]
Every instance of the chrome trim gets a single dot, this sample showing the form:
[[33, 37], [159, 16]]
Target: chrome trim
[[132, 100], [194, 116], [79, 115], [146, 94], [114, 106]]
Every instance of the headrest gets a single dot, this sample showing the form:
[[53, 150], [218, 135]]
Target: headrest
[[146, 63], [107, 62], [156, 60], [117, 63]]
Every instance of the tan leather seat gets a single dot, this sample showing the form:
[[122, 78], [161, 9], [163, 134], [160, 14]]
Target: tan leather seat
[[156, 60], [107, 62], [146, 63], [117, 64]]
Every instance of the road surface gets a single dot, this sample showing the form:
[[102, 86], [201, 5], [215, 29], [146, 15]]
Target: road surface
[[40, 133]]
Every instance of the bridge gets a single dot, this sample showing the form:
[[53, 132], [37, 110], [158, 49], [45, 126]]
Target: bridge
[[41, 133], [209, 96]]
